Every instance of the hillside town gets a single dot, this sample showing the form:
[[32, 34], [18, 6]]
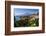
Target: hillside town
[[29, 20]]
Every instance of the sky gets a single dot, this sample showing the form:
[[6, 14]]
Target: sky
[[24, 11]]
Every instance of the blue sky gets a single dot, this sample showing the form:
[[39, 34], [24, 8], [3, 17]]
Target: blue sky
[[23, 11]]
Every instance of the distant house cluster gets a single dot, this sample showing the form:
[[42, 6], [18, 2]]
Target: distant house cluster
[[32, 17]]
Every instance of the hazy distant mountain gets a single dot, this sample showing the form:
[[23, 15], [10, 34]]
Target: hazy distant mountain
[[27, 14]]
